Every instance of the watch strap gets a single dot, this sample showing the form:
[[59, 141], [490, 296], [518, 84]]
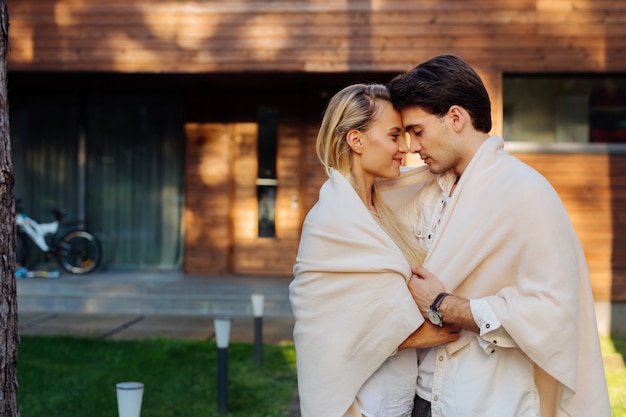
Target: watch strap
[[435, 305]]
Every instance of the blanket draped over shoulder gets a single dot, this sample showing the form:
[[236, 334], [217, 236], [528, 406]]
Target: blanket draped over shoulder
[[507, 238], [350, 301]]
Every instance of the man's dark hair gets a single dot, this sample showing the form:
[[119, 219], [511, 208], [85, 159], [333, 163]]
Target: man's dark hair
[[439, 83]]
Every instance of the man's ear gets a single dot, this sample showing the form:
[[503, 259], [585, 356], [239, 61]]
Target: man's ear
[[459, 117], [354, 141]]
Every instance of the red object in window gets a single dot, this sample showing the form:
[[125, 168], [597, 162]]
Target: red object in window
[[607, 135]]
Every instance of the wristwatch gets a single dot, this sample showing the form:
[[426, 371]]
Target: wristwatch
[[433, 312]]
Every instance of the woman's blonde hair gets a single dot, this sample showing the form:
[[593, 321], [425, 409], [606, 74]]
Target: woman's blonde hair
[[354, 108]]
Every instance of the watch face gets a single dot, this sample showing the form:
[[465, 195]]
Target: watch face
[[434, 317]]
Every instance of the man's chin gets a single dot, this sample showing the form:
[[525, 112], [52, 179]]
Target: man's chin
[[434, 169]]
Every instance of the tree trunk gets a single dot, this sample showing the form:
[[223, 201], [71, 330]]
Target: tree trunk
[[9, 336]]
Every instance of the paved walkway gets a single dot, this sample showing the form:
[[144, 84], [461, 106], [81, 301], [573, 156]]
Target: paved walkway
[[153, 293], [275, 330], [140, 304]]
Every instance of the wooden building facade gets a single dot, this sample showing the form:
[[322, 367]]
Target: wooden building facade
[[231, 63]]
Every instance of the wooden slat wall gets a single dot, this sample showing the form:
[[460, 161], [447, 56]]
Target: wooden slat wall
[[315, 35], [208, 177], [221, 201], [276, 256]]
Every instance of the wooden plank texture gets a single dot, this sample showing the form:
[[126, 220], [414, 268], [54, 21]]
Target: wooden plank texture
[[224, 36]]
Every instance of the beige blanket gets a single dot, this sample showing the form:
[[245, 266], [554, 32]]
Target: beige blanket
[[350, 300], [511, 242]]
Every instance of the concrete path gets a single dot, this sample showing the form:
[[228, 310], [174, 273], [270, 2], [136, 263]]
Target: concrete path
[[140, 304], [163, 293], [275, 330]]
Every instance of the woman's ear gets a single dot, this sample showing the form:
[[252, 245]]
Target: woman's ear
[[354, 141]]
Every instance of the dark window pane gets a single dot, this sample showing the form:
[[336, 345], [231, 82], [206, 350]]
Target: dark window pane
[[267, 141], [565, 108], [267, 144], [267, 205]]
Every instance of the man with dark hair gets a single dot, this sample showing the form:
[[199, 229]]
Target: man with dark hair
[[504, 263]]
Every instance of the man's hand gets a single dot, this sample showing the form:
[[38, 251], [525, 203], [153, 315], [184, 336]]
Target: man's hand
[[424, 287], [429, 335]]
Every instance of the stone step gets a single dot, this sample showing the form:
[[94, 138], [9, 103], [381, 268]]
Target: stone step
[[153, 292]]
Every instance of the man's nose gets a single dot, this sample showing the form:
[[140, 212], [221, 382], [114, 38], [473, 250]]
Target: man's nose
[[416, 146]]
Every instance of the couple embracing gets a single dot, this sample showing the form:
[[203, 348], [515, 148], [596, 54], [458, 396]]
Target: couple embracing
[[456, 289]]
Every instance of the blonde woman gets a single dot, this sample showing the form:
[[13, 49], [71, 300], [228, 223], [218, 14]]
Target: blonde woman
[[357, 325]]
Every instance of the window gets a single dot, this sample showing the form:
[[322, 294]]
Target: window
[[133, 193], [266, 178], [565, 108]]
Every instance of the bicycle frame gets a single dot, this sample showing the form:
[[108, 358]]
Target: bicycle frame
[[76, 250], [37, 231]]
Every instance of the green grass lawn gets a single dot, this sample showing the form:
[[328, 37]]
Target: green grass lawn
[[69, 377], [614, 351]]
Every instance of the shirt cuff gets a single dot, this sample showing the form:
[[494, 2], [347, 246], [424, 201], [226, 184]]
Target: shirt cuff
[[492, 335]]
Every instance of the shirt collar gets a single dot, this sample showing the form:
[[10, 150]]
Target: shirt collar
[[446, 181]]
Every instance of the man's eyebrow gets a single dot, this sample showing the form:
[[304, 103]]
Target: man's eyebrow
[[408, 127]]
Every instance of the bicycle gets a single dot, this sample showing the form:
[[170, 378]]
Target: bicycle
[[77, 251]]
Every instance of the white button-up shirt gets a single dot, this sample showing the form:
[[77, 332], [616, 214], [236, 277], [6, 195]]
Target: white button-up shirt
[[489, 357]]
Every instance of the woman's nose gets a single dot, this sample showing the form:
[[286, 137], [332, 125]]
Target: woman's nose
[[403, 147]]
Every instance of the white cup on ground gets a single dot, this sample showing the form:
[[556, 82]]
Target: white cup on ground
[[129, 396]]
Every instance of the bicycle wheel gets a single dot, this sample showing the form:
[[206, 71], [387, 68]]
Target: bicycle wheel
[[79, 252], [22, 250]]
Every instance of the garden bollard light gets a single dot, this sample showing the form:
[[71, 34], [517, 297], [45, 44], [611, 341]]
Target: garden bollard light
[[129, 396], [222, 334], [257, 310]]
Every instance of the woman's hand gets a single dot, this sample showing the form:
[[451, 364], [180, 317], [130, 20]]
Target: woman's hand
[[429, 335]]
